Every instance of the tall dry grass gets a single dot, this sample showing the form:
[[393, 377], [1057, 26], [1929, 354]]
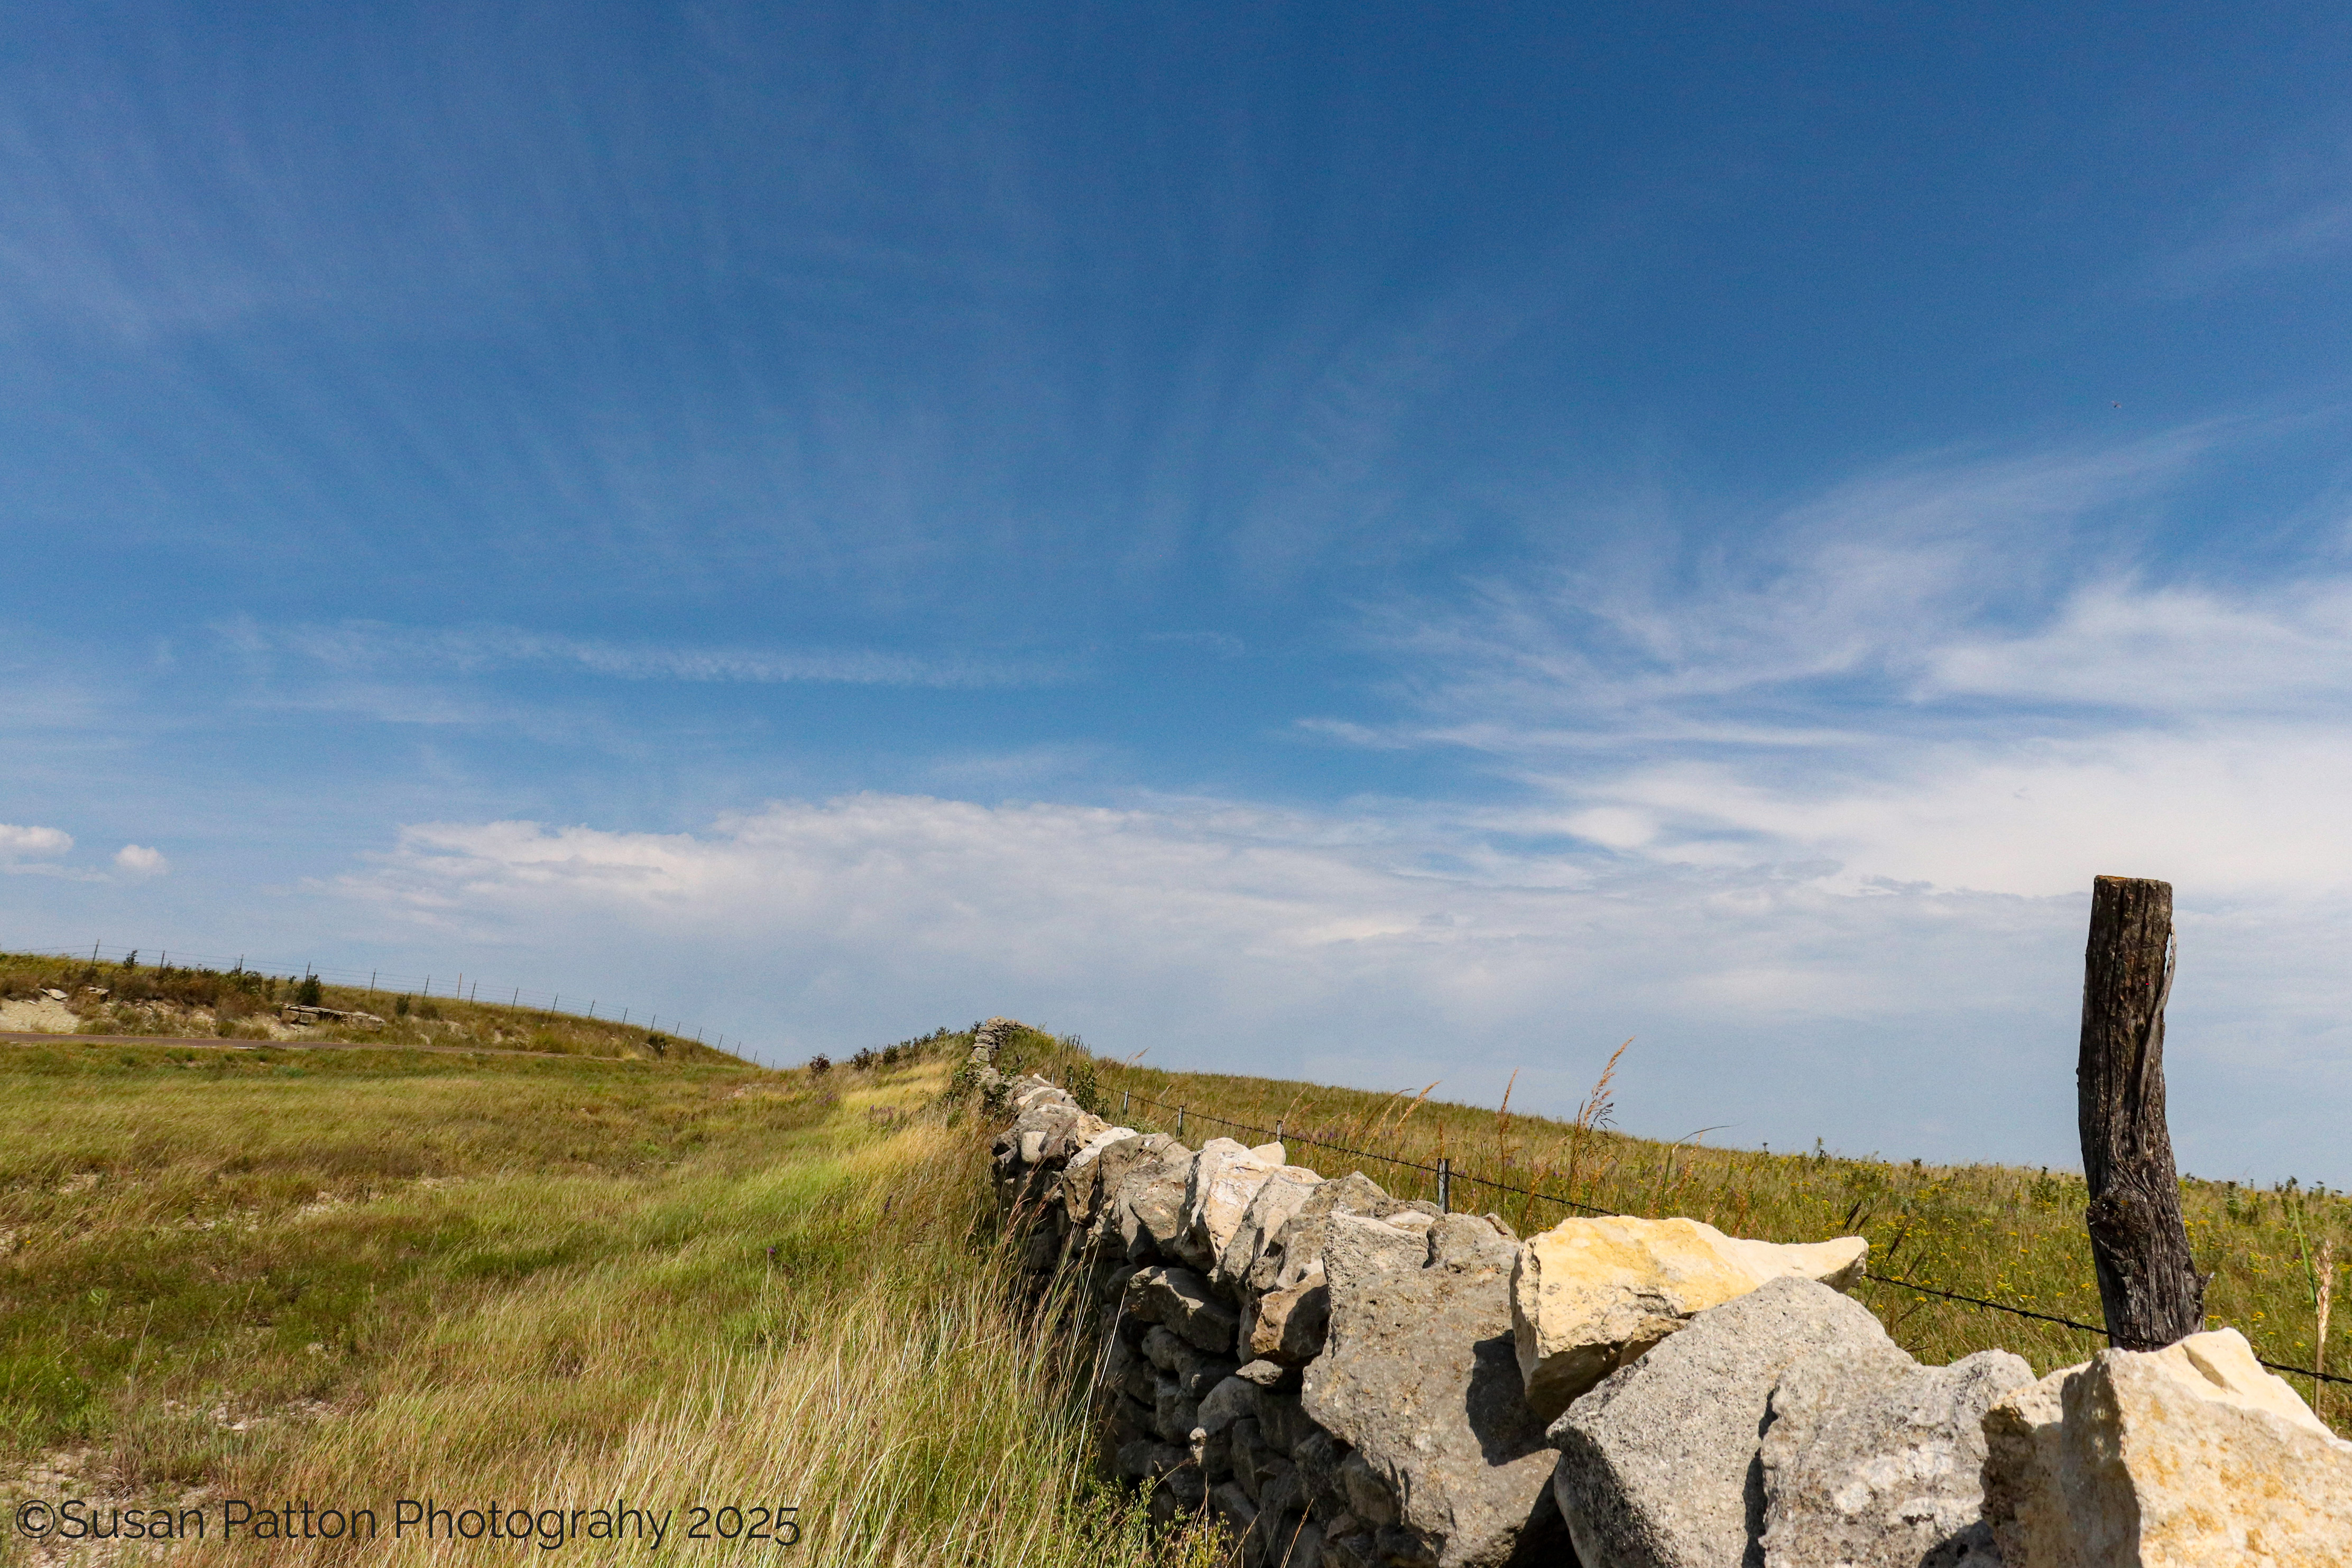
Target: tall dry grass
[[2000, 1232], [544, 1283]]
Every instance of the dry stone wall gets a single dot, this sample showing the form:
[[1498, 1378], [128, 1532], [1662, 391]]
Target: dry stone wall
[[1351, 1380]]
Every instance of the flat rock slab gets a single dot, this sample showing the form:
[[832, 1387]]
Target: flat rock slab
[[2183, 1458], [1658, 1465], [1590, 1295], [1873, 1461], [1419, 1378]]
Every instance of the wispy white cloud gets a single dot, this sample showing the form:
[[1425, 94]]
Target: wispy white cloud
[[26, 842], [1817, 822], [2292, 208], [35, 852], [140, 860], [1374, 948], [352, 646]]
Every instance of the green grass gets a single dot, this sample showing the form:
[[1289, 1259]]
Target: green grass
[[553, 1280], [359, 1275], [1995, 1231]]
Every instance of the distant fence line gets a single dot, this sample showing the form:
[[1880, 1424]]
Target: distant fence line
[[461, 987], [1446, 1175]]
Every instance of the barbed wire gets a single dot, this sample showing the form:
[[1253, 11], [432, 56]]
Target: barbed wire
[[1451, 1174]]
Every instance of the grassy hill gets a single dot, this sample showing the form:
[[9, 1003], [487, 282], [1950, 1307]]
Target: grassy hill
[[355, 1276], [243, 1004]]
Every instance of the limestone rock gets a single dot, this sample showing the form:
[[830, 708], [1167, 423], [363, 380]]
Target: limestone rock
[[1233, 1506], [1270, 1375], [1658, 1465], [2180, 1458], [1288, 1327], [1296, 1251], [1228, 1403], [1082, 1191], [1181, 1300], [1419, 1378], [1113, 1171], [1286, 1307], [1591, 1295], [1149, 1204], [1873, 1461], [1281, 1195], [1224, 1177], [2023, 1507]]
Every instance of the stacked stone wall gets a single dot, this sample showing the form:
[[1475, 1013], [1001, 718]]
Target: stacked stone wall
[[1351, 1380]]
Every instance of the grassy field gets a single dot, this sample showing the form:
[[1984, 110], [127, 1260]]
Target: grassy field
[[1993, 1231], [242, 1004], [349, 1278], [571, 1281]]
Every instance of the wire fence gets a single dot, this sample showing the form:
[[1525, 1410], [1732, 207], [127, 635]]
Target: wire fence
[[1446, 1175], [457, 987]]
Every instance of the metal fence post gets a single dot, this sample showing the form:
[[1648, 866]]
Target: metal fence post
[[1444, 1185], [1277, 1128], [1122, 1104], [1180, 1121]]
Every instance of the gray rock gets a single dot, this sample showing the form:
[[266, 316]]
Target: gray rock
[[1145, 1458], [1212, 1455], [1150, 1210], [1117, 1163], [1124, 1421], [1368, 1498], [1288, 1327], [1874, 1461], [1320, 1457], [1112, 1284], [1247, 1443], [1186, 1485], [1282, 1195], [1193, 1367], [1295, 1251], [1141, 1382], [1283, 1420], [1042, 1251], [1293, 1540], [1658, 1463], [1162, 1345], [1355, 1250], [1421, 1376], [1181, 1299], [1269, 1375], [1233, 1506], [1228, 1403], [1174, 1413]]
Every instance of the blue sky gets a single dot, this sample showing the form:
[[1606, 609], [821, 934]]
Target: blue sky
[[1368, 542]]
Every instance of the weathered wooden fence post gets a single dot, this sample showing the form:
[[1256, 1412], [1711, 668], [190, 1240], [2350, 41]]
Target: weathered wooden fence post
[[2148, 1283]]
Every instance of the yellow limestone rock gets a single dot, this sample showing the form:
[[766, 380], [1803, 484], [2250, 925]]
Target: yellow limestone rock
[[2190, 1457], [1590, 1295]]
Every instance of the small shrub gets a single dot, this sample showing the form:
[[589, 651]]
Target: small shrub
[[864, 1060], [1086, 1087], [400, 1008], [820, 1063], [309, 994]]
